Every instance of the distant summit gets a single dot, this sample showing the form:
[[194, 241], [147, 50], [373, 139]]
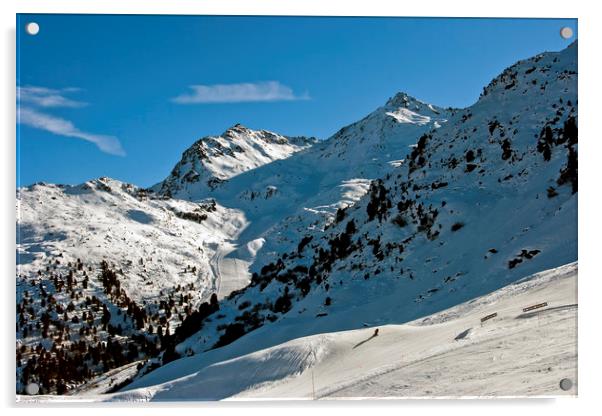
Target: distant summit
[[214, 159]]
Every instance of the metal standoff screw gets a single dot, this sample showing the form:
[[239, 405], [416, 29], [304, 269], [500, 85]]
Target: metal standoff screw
[[32, 28], [566, 384]]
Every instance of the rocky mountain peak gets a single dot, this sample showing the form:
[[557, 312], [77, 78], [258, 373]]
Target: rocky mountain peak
[[214, 159]]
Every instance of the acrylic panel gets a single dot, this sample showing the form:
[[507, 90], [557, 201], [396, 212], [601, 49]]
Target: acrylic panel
[[316, 208]]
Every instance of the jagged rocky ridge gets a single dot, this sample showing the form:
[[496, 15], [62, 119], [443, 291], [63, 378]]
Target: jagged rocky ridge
[[214, 159]]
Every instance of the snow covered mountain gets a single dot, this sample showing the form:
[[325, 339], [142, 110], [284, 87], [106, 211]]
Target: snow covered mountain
[[152, 240], [290, 195], [215, 159], [107, 262], [412, 210], [480, 202], [341, 169]]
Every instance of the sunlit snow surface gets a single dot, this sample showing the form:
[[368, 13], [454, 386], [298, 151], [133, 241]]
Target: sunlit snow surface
[[513, 354], [107, 219]]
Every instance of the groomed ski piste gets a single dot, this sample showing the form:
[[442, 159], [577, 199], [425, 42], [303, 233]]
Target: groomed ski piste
[[515, 353]]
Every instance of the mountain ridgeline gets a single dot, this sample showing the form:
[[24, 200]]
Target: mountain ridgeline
[[409, 211]]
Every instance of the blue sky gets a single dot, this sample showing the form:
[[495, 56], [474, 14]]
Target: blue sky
[[124, 96]]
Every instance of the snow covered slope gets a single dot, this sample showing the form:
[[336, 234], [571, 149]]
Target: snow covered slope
[[450, 353], [107, 262], [118, 222]]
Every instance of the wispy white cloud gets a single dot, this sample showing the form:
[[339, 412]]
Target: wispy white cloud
[[30, 98], [238, 93], [47, 97], [62, 127]]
